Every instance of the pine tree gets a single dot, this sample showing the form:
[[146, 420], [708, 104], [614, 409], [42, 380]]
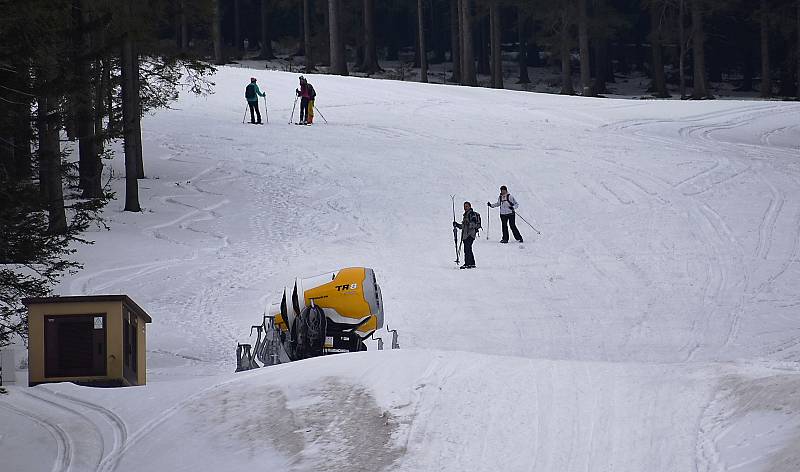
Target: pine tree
[[56, 57]]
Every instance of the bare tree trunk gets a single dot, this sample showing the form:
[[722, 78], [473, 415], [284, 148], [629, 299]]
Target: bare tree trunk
[[700, 88], [455, 38], [461, 41], [95, 170], [338, 59], [184, 25], [467, 55], [798, 50], [495, 39], [137, 123], [324, 55], [23, 119], [583, 45], [177, 22], [370, 65], [130, 113], [602, 69], [747, 71], [180, 20], [82, 102], [100, 91], [309, 58], [237, 27], [266, 40], [438, 40], [216, 33], [113, 116], [522, 32], [484, 66], [656, 28], [766, 80], [423, 52], [48, 121], [70, 124], [786, 82], [683, 44], [566, 67]]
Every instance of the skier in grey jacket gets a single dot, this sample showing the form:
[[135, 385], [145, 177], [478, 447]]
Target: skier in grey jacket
[[470, 224], [507, 204]]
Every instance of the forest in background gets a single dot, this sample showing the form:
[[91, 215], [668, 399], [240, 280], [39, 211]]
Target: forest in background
[[683, 45], [85, 71]]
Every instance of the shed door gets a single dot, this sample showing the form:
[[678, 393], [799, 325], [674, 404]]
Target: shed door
[[130, 346], [75, 345]]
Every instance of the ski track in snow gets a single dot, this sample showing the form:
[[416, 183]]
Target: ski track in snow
[[722, 172], [719, 419], [645, 269], [118, 426], [64, 443]]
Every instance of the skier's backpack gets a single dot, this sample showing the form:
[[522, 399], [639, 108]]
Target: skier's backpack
[[250, 91], [477, 221]]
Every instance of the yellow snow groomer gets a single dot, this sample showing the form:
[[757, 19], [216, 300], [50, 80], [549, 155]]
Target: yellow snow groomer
[[325, 314]]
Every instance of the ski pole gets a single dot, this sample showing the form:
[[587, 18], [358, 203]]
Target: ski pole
[[526, 222], [455, 230], [320, 114], [488, 219], [245, 113], [291, 118], [266, 109]]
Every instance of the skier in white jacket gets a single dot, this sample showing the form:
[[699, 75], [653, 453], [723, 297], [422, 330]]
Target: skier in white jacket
[[507, 204]]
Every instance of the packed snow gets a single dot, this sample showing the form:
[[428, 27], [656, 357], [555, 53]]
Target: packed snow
[[653, 325]]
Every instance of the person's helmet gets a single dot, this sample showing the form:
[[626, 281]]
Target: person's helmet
[[252, 79]]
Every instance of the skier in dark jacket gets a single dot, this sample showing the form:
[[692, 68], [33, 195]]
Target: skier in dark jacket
[[470, 224], [507, 205], [304, 92], [251, 93]]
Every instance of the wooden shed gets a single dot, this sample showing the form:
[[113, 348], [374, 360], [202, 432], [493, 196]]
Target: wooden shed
[[94, 340]]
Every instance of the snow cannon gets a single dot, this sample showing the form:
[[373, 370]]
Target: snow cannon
[[331, 313]]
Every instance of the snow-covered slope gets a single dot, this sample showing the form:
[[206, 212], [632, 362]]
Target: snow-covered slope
[[653, 325]]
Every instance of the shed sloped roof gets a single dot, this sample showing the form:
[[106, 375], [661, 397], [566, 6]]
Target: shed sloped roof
[[90, 299]]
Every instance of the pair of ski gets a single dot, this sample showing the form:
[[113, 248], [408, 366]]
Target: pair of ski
[[455, 237]]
